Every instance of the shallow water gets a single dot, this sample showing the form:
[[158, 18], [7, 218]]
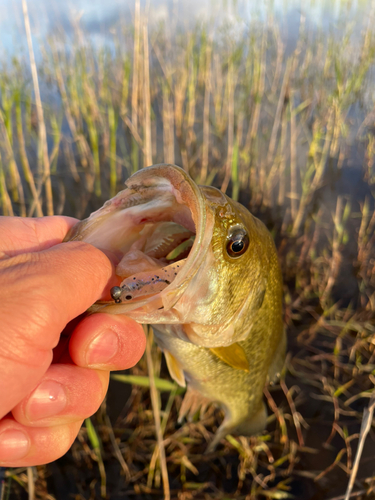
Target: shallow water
[[96, 17]]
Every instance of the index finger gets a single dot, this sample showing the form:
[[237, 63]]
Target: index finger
[[48, 289], [26, 234]]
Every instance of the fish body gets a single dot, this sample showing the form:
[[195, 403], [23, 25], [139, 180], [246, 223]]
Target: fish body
[[203, 271]]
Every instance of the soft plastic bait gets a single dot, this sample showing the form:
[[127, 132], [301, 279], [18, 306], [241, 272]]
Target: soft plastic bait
[[146, 283]]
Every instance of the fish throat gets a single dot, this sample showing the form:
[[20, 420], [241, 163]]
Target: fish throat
[[158, 256]]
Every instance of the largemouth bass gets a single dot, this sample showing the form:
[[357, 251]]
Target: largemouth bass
[[203, 271]]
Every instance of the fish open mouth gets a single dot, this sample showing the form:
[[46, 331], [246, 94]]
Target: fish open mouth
[[156, 229], [153, 261]]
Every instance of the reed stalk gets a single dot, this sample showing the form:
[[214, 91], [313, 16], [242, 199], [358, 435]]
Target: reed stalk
[[135, 84], [39, 108], [230, 101], [259, 84], [206, 115], [191, 107], [217, 86], [17, 188], [179, 95], [146, 98], [340, 237], [5, 199], [56, 134], [27, 172], [293, 160], [168, 126], [279, 60], [282, 164], [31, 483], [156, 411], [112, 125], [277, 120]]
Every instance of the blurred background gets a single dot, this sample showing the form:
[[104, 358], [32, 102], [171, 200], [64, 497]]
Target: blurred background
[[272, 102]]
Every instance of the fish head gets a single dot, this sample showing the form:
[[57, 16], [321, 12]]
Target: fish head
[[188, 256], [227, 291]]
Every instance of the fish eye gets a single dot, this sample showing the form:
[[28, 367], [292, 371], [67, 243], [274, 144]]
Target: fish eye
[[237, 242]]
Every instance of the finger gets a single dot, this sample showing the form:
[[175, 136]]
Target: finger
[[107, 342], [22, 446], [66, 393], [22, 234], [40, 293], [48, 289]]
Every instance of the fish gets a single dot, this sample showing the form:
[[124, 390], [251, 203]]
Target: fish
[[204, 273]]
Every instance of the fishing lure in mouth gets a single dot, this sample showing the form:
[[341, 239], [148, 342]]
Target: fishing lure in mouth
[[146, 283]]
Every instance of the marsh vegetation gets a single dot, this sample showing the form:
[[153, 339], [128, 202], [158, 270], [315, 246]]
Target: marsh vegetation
[[290, 133]]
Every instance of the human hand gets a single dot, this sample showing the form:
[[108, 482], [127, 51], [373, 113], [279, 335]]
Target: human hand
[[49, 383]]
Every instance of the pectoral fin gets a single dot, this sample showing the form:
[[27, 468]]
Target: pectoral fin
[[233, 355], [175, 370]]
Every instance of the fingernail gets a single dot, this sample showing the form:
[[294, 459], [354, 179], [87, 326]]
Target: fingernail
[[103, 348], [47, 400], [14, 444]]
